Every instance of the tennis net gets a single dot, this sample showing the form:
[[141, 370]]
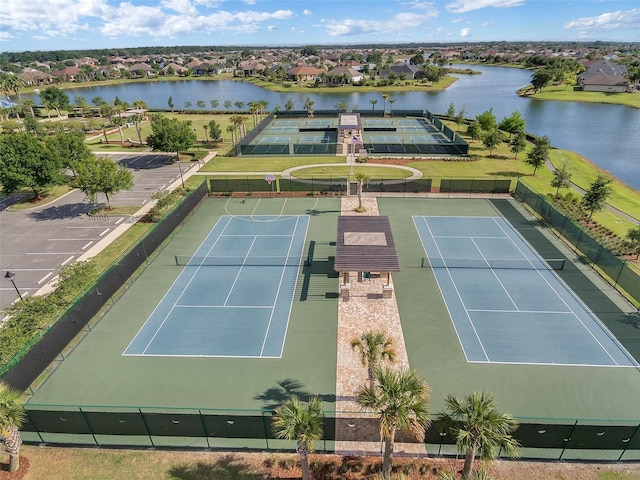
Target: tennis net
[[494, 264], [213, 261]]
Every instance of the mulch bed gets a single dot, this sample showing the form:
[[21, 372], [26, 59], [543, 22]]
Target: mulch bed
[[18, 474]]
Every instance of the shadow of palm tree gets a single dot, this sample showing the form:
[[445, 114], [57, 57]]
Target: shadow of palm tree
[[229, 467], [276, 395]]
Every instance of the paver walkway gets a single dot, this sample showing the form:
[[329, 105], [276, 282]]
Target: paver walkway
[[365, 310]]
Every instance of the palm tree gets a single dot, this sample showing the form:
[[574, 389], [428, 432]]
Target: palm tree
[[479, 428], [361, 178], [391, 102], [385, 97], [12, 416], [303, 423], [373, 102], [373, 348], [401, 402], [231, 129]]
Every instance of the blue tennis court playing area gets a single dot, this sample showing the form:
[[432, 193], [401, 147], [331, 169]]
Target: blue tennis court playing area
[[507, 304], [234, 294]]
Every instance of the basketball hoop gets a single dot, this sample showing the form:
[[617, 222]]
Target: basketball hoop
[[269, 179]]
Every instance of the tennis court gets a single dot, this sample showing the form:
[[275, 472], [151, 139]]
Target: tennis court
[[233, 296], [384, 139], [506, 303], [285, 123], [273, 139]]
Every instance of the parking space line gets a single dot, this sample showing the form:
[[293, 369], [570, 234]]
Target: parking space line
[[87, 245], [43, 279], [67, 260], [49, 253], [119, 221]]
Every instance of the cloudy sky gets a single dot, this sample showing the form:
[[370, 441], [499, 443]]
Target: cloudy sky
[[81, 24]]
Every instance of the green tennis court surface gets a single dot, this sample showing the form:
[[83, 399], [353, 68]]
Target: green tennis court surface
[[506, 306], [234, 297]]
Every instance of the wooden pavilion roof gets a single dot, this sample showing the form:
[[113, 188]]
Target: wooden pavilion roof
[[365, 244]]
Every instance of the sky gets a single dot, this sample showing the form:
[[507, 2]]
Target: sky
[[85, 24]]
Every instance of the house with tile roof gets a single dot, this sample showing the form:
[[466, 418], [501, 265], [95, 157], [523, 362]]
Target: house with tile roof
[[604, 77]]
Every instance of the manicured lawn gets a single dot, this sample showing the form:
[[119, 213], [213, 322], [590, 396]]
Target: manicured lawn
[[371, 172], [264, 164], [567, 93]]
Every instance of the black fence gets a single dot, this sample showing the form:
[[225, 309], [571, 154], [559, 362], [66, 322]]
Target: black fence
[[252, 429], [28, 365], [329, 185], [622, 274]]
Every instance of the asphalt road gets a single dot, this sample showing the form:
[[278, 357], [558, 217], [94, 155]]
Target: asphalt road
[[36, 243]]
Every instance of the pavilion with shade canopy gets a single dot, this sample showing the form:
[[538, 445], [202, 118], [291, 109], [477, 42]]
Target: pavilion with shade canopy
[[365, 247]]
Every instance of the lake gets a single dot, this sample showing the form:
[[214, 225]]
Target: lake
[[608, 135]]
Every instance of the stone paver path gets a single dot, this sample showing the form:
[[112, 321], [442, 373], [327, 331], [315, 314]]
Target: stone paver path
[[365, 310]]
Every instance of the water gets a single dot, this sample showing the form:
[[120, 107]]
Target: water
[[608, 135]]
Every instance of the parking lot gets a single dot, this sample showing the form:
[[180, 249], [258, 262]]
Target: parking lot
[[36, 243]]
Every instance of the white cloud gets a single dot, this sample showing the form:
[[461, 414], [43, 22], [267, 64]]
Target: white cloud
[[250, 2], [607, 21], [400, 22], [271, 28], [181, 6], [486, 24], [465, 32], [462, 6], [307, 12]]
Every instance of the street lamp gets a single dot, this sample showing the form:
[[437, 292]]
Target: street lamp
[[10, 276]]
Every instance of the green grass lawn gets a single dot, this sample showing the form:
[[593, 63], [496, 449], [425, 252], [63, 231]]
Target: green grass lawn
[[567, 93]]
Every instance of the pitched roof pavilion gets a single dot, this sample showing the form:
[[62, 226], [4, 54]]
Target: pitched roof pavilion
[[365, 244]]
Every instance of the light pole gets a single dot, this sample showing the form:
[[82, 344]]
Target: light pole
[[10, 276]]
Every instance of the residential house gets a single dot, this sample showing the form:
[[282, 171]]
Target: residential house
[[604, 77], [341, 73], [305, 73], [141, 70], [403, 70], [69, 74], [31, 77], [173, 69]]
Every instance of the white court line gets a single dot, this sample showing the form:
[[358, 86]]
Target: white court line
[[67, 260], [43, 279], [226, 306], [87, 245], [104, 231]]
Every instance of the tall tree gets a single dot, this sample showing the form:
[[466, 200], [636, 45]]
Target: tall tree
[[373, 102], [518, 144], [540, 79], [308, 106], [289, 105], [460, 118], [487, 120], [170, 135], [385, 97], [478, 427], [633, 238], [170, 104], [373, 347], [215, 131], [101, 175], [400, 400], [451, 111], [26, 163], [492, 140], [70, 149], [294, 420], [53, 97], [595, 197], [513, 123], [561, 178], [362, 178], [12, 416], [539, 154]]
